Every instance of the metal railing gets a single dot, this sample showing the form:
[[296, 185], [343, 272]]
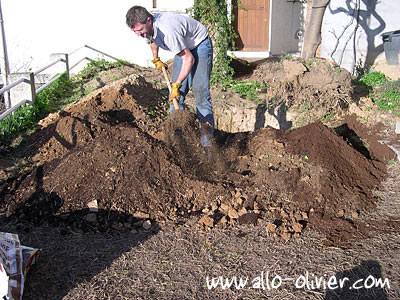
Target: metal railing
[[31, 80]]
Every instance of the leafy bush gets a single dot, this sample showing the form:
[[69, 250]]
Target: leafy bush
[[373, 79], [384, 92], [26, 116], [215, 15]]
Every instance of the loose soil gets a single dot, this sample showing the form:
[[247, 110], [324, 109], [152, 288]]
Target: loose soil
[[316, 186]]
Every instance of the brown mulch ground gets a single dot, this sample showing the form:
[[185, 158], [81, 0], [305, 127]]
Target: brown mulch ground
[[273, 200]]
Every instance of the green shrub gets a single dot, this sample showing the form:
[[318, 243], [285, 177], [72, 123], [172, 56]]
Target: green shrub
[[26, 116], [388, 100], [373, 79], [214, 14]]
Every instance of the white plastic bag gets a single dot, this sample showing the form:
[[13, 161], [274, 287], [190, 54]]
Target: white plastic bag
[[16, 260], [3, 283]]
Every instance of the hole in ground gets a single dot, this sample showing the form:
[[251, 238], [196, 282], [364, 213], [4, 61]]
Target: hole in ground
[[353, 140]]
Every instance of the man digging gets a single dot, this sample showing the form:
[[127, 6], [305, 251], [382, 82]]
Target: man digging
[[188, 39]]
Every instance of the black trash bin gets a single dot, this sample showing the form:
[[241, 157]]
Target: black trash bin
[[391, 45]]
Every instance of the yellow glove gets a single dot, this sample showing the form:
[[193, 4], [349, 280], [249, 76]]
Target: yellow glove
[[175, 91], [159, 64]]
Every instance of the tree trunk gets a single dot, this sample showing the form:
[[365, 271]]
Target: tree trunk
[[312, 35]]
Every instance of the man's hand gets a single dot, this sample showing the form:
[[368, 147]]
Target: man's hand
[[159, 64], [175, 91]]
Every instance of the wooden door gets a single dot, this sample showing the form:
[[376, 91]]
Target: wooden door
[[252, 25]]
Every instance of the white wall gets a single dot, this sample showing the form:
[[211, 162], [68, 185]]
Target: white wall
[[36, 29], [338, 30]]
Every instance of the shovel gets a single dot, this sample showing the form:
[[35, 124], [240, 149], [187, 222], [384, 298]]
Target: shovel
[[174, 101], [204, 135]]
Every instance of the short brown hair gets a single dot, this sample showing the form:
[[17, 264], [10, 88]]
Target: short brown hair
[[137, 14]]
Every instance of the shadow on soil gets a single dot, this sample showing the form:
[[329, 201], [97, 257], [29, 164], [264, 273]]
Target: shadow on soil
[[245, 67], [279, 114], [75, 246], [353, 139], [362, 282]]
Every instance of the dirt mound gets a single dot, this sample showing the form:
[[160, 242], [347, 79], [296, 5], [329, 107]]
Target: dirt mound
[[114, 147], [317, 89], [79, 123]]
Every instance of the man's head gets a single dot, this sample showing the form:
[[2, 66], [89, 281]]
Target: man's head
[[140, 21]]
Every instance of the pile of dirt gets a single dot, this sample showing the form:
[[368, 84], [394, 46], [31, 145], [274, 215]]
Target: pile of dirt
[[114, 148], [316, 89]]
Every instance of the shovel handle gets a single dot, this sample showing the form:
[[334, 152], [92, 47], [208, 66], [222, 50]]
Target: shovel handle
[[174, 101]]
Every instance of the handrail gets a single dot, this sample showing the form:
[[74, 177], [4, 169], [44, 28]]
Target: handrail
[[14, 108], [48, 83], [81, 60], [101, 52], [31, 81], [48, 66], [13, 84]]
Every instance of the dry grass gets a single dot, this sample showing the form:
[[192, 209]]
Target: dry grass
[[174, 263]]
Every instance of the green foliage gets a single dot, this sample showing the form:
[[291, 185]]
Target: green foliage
[[388, 100], [25, 117], [248, 89], [96, 66], [214, 15], [337, 70], [61, 88], [327, 117], [373, 79], [22, 118], [385, 93]]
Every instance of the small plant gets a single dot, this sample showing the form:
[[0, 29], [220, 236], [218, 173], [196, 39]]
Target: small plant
[[306, 107], [289, 56], [327, 117], [373, 79], [387, 96], [94, 67], [337, 70], [304, 159], [247, 89], [389, 101]]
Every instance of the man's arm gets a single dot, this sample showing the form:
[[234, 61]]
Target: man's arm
[[154, 49], [187, 64]]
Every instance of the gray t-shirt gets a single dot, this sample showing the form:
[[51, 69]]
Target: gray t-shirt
[[174, 32]]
